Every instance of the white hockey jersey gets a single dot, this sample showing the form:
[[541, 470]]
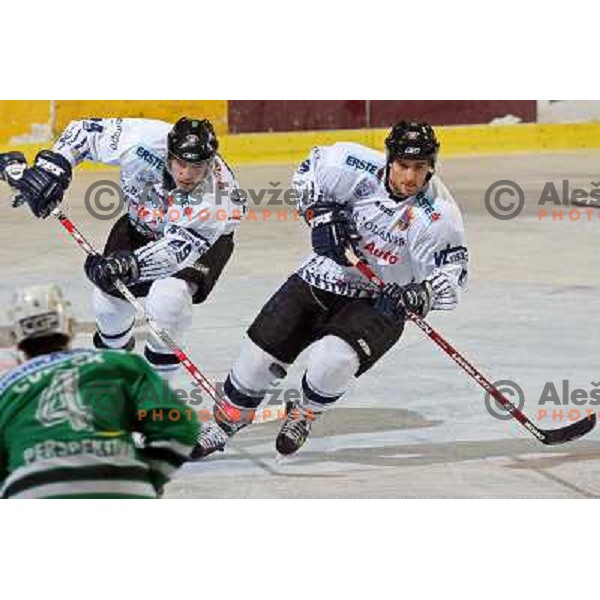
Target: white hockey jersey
[[410, 241], [139, 148]]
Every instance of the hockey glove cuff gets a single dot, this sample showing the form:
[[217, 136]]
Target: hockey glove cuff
[[333, 232]]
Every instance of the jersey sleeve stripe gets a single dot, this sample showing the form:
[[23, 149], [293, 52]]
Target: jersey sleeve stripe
[[74, 475]]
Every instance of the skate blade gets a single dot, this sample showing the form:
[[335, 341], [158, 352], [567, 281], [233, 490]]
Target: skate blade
[[283, 458]]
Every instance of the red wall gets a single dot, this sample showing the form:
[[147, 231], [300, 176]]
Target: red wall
[[247, 116], [449, 112], [292, 115]]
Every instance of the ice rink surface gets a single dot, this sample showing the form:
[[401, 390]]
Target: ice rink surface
[[415, 426]]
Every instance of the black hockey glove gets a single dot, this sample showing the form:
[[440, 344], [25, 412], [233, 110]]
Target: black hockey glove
[[333, 232], [104, 271], [12, 165], [417, 298], [395, 300], [43, 185]]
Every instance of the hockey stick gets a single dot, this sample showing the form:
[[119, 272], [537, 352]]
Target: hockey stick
[[160, 333], [549, 437]]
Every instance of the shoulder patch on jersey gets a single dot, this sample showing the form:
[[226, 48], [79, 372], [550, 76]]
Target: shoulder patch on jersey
[[365, 189]]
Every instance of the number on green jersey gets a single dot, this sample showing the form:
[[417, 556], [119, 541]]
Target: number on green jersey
[[61, 402]]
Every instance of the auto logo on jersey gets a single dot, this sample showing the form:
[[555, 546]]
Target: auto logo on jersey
[[384, 255]]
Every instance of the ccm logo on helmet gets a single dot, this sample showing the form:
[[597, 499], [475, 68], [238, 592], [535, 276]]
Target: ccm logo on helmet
[[39, 323]]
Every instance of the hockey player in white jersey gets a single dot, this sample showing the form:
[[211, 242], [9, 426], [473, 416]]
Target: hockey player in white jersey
[[177, 235], [396, 214]]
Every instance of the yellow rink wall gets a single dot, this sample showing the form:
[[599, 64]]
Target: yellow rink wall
[[273, 148], [17, 117], [21, 118], [67, 110]]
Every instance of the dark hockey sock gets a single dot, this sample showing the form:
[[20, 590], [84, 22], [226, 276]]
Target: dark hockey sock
[[241, 398], [164, 362], [118, 341], [313, 400]]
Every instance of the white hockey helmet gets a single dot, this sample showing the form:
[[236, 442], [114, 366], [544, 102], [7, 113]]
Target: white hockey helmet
[[39, 311]]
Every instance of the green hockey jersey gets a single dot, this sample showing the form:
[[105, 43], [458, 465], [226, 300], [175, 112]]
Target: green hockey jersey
[[66, 423]]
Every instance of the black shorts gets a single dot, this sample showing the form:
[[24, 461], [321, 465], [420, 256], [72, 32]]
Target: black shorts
[[123, 236], [299, 314]]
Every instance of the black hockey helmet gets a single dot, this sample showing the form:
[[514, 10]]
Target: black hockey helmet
[[414, 141], [192, 140]]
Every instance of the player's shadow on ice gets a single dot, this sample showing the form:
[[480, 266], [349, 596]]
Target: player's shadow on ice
[[365, 437]]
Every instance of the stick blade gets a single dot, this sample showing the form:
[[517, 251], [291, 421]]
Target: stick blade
[[570, 432]]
